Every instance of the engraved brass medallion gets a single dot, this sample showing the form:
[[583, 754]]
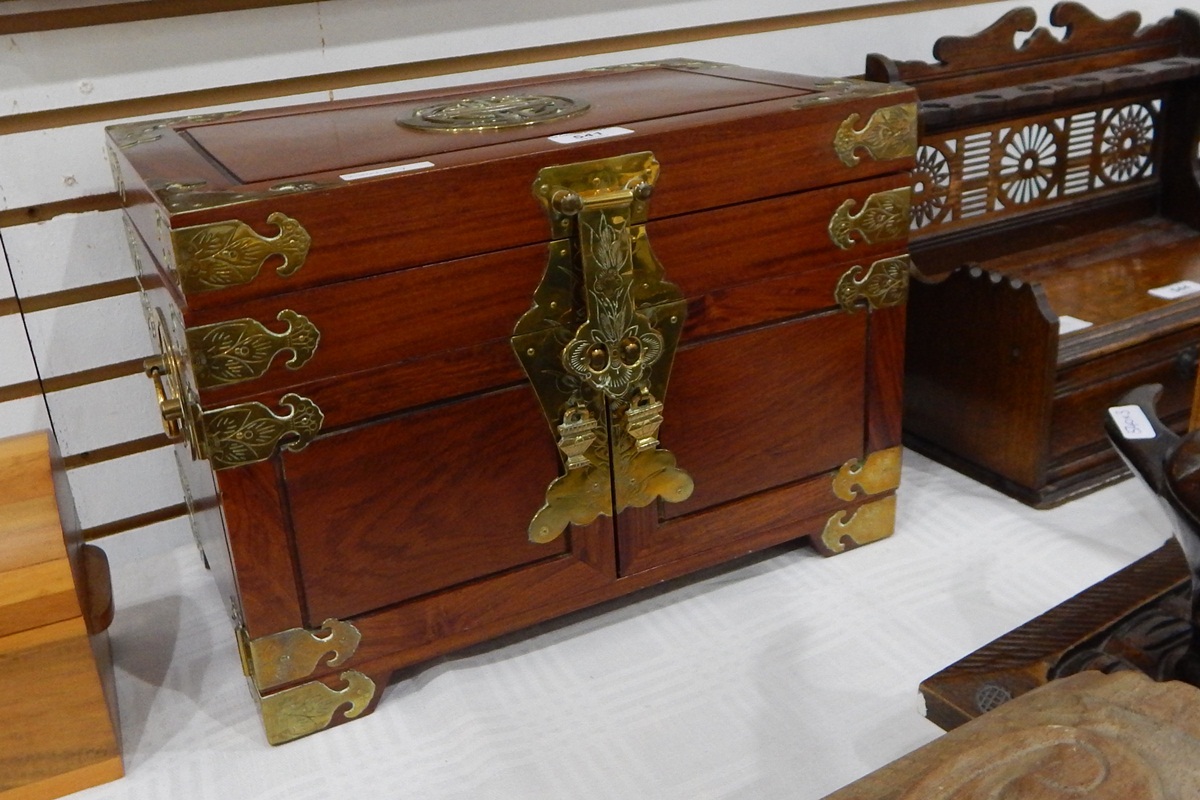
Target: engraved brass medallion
[[600, 367], [493, 112], [884, 217], [883, 284], [292, 713], [889, 133], [242, 349], [231, 253]]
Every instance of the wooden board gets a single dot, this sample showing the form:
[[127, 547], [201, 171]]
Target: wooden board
[[55, 603]]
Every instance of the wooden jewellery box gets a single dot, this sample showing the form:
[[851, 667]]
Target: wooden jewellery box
[[1057, 213], [423, 342]]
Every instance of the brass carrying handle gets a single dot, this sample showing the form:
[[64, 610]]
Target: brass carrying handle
[[165, 371], [171, 408]]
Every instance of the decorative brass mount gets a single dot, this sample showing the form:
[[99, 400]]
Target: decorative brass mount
[[231, 436], [230, 253], [242, 349], [493, 112], [876, 474], [301, 710], [890, 133], [293, 654], [884, 217], [884, 284], [600, 371]]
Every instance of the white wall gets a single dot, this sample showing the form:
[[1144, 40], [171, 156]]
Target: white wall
[[59, 88]]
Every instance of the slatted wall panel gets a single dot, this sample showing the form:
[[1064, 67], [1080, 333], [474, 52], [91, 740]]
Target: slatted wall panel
[[72, 335]]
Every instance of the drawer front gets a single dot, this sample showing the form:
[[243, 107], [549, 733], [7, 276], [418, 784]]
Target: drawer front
[[225, 241], [739, 266], [1084, 393]]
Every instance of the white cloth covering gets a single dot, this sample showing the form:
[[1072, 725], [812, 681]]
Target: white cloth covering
[[785, 675]]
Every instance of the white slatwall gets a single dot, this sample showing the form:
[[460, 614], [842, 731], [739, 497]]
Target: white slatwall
[[58, 89]]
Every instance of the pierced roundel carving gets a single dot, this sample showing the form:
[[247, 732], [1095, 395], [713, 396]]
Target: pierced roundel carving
[[930, 186], [1027, 162], [1126, 143]]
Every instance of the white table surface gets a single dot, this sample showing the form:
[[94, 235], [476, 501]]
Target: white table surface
[[786, 675]]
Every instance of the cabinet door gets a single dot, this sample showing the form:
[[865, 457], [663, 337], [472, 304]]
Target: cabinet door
[[759, 419], [426, 501]]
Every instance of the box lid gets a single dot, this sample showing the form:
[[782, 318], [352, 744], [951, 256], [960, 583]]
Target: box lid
[[374, 185], [37, 586]]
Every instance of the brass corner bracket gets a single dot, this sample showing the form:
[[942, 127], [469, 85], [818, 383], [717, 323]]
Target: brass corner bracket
[[883, 284], [877, 473], [231, 253], [293, 654], [242, 349], [301, 710], [889, 133], [884, 217], [869, 523]]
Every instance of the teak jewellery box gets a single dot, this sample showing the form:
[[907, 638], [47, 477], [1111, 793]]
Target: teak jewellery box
[[416, 349]]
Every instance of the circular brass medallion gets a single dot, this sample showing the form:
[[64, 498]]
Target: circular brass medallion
[[493, 112]]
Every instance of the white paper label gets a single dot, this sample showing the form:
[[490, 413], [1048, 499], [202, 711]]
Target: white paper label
[[587, 136], [1174, 290], [1069, 324], [1132, 422], [375, 173]]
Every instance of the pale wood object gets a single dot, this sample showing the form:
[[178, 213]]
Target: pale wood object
[[1092, 735], [55, 604]]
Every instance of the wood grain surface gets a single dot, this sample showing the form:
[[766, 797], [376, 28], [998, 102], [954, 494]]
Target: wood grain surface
[[55, 603]]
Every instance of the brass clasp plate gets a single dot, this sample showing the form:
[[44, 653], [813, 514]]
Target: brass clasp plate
[[600, 367]]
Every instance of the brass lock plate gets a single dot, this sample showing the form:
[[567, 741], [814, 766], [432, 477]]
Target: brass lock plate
[[598, 343]]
